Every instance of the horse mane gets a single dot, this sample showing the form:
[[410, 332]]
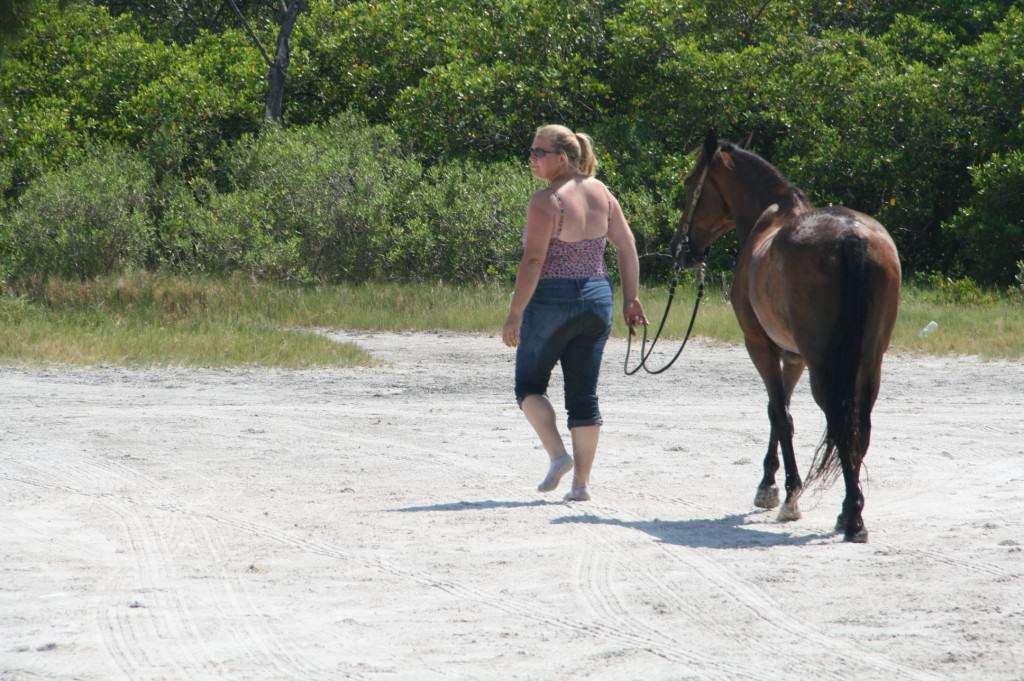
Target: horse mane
[[767, 175]]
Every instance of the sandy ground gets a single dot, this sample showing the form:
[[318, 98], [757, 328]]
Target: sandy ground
[[383, 524]]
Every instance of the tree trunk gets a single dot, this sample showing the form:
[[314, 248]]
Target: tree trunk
[[279, 67]]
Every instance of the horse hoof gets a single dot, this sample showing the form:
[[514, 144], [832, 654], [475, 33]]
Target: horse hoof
[[767, 497], [789, 512], [859, 537]]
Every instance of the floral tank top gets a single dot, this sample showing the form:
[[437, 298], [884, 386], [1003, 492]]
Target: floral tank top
[[574, 259]]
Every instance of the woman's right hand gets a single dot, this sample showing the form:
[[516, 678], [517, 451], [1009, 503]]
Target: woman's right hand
[[633, 311]]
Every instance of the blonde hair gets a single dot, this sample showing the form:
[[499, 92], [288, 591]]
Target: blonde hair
[[578, 147]]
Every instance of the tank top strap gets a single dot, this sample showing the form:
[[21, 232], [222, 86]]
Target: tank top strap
[[561, 212], [608, 193]]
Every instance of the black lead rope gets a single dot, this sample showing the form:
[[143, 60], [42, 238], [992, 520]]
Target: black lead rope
[[683, 243], [645, 354]]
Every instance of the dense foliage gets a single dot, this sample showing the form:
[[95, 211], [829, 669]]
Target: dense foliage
[[131, 134]]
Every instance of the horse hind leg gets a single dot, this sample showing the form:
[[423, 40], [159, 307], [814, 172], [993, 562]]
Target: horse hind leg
[[767, 496], [792, 366], [851, 520], [782, 432], [767, 491]]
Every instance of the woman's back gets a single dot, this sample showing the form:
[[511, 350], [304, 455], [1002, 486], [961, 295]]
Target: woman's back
[[584, 206], [576, 250]]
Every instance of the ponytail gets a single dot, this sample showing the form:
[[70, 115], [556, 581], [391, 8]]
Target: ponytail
[[587, 164]]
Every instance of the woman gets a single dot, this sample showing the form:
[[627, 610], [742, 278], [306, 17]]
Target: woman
[[561, 309]]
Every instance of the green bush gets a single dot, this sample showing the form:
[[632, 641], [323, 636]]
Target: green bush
[[466, 222], [989, 229], [840, 113], [64, 80], [959, 290], [77, 74], [986, 87], [360, 55], [1015, 291], [222, 233], [513, 65], [316, 203], [964, 21], [882, 107], [918, 40], [343, 203], [876, 150], [210, 91], [89, 219], [6, 178]]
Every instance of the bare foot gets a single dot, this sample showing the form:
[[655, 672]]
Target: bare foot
[[577, 494]]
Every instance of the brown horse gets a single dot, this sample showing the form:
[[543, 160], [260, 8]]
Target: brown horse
[[813, 287]]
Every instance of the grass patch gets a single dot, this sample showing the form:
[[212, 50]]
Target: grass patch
[[147, 319], [991, 327]]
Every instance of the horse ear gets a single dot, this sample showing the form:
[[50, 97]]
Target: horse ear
[[710, 142]]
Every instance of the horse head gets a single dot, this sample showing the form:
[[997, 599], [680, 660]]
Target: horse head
[[707, 214]]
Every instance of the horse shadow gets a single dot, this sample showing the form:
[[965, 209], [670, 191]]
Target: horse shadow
[[738, 531], [729, 532]]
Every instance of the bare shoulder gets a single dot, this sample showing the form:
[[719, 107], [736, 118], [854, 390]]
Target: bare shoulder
[[542, 202], [595, 185], [600, 191], [541, 217]]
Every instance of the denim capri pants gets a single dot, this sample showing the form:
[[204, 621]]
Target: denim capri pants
[[566, 321]]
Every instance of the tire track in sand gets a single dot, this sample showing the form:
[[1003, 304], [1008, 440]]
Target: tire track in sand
[[724, 586], [124, 632], [593, 586], [128, 627]]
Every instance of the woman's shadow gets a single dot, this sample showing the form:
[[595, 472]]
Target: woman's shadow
[[729, 532], [476, 505]]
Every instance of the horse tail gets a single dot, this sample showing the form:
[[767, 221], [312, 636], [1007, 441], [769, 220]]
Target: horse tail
[[841, 365]]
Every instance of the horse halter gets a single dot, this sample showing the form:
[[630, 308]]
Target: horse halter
[[682, 248]]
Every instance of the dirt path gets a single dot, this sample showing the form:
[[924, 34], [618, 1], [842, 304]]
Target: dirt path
[[382, 524]]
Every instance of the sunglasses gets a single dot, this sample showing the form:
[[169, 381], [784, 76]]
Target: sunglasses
[[537, 152]]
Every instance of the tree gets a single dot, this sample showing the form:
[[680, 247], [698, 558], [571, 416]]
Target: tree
[[279, 64]]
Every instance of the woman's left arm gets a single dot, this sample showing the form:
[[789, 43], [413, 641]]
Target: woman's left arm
[[622, 238]]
